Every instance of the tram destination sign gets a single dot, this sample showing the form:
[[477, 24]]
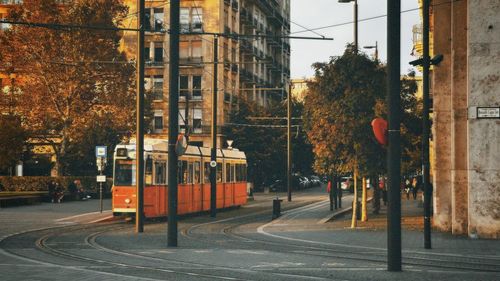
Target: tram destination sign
[[488, 112]]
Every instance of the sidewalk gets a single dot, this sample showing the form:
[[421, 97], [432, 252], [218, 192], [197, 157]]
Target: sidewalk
[[374, 233]]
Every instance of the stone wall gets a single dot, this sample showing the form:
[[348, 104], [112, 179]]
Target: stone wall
[[484, 134]]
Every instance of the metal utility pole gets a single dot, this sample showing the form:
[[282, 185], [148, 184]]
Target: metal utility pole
[[173, 122], [394, 150], [426, 128], [139, 211], [355, 22], [289, 143], [213, 150]]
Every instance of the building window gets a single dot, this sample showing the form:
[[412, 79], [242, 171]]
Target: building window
[[147, 19], [197, 123], [183, 85], [158, 54], [158, 19], [182, 120], [190, 51], [197, 87], [158, 87], [191, 19], [147, 54], [158, 120], [190, 86]]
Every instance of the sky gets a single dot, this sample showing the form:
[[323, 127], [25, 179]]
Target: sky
[[320, 13]]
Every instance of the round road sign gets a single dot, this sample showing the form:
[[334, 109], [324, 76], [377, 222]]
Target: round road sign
[[213, 164]]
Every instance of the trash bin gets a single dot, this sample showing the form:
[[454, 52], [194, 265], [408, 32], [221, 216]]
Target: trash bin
[[276, 208]]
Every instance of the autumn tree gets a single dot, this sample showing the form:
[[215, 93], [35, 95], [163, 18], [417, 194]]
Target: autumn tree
[[339, 108], [69, 74], [12, 139]]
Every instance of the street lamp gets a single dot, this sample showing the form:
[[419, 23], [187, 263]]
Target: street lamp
[[373, 47], [355, 22]]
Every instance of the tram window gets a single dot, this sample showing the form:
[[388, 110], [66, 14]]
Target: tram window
[[239, 173], [148, 173], [196, 176], [206, 172], [160, 173], [124, 172], [219, 172], [190, 172], [233, 173], [183, 172], [228, 172]]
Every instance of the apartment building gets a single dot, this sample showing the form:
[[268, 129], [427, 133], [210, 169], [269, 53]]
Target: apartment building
[[252, 63]]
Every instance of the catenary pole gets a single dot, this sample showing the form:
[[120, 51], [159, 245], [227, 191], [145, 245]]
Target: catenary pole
[[289, 143], [213, 149], [425, 129], [173, 122], [394, 151], [139, 210]]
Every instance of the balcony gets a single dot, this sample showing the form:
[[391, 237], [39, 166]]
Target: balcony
[[235, 5], [191, 61], [154, 63]]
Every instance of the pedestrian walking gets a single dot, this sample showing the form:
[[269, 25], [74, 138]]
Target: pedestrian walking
[[414, 188], [339, 193], [406, 186], [51, 187], [330, 195], [73, 190], [58, 193]]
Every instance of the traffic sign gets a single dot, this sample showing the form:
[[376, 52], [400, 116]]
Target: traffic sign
[[101, 178], [100, 151], [213, 164]]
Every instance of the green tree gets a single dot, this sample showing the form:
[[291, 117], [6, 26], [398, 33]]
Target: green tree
[[69, 75], [264, 140]]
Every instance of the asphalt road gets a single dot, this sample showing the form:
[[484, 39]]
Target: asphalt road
[[71, 241]]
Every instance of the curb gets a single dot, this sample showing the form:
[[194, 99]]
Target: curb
[[340, 212]]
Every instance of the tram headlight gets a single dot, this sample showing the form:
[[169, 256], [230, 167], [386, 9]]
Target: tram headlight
[[127, 201]]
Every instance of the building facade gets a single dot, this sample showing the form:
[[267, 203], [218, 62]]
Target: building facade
[[252, 63], [466, 125]]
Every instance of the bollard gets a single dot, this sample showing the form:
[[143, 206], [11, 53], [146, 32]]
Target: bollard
[[276, 208]]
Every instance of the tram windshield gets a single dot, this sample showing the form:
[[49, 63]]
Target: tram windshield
[[124, 172]]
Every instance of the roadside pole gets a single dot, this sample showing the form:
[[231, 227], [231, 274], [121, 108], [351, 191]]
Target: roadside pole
[[425, 128], [213, 149], [173, 123], [101, 155], [289, 144], [139, 213], [394, 150]]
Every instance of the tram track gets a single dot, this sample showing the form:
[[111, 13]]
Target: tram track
[[357, 253]]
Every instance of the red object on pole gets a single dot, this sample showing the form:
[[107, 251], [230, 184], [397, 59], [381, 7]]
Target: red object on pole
[[379, 126]]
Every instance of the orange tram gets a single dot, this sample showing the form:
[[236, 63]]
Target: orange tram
[[193, 178]]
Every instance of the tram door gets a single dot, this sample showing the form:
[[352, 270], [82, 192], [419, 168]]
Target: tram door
[[197, 194], [229, 185]]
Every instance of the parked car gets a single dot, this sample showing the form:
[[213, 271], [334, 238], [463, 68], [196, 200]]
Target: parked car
[[277, 185], [347, 183], [304, 183], [315, 181]]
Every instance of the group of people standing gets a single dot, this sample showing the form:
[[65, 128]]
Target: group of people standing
[[335, 191], [75, 189]]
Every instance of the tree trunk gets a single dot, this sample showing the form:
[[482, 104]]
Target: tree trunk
[[376, 195], [354, 221], [364, 215]]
